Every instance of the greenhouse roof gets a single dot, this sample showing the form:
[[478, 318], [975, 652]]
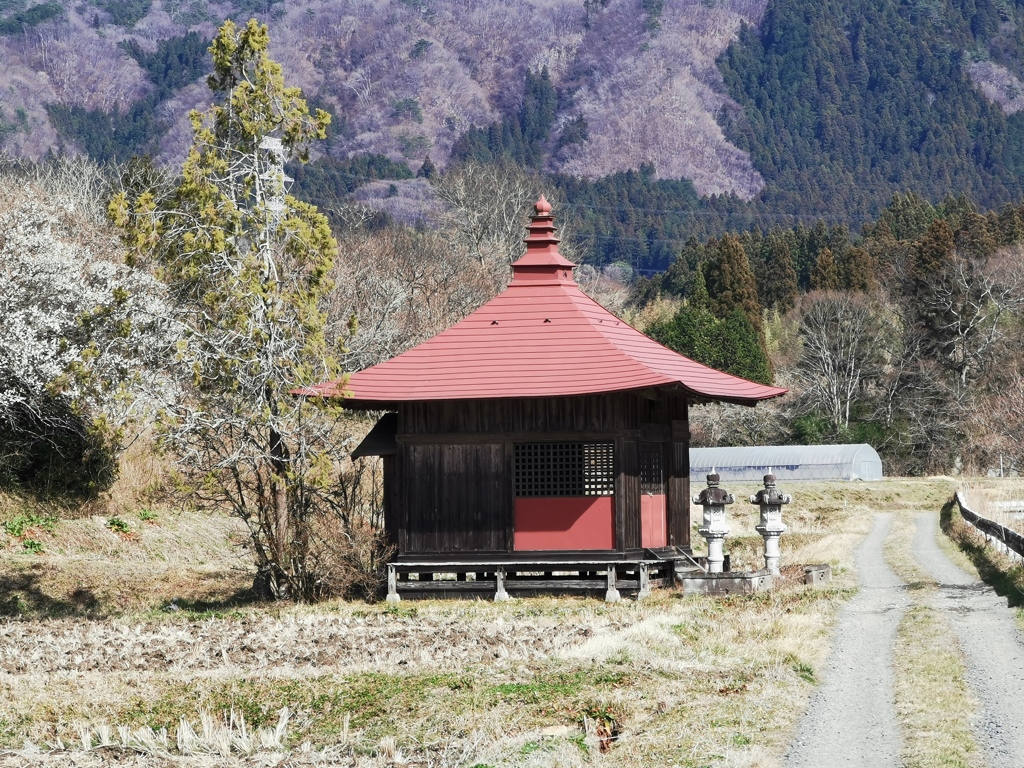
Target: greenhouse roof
[[788, 462]]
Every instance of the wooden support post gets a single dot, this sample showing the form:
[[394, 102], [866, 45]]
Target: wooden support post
[[645, 582], [500, 595], [612, 595], [393, 596]]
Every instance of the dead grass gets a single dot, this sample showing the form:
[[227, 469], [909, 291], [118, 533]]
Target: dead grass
[[86, 569], [673, 680], [933, 701], [968, 549], [998, 499], [479, 678]]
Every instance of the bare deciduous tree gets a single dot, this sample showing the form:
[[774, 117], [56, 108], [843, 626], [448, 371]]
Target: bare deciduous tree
[[403, 287], [968, 306], [840, 352], [488, 207]]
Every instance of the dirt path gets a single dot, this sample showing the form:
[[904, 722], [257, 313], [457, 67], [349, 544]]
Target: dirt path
[[992, 645], [851, 720]]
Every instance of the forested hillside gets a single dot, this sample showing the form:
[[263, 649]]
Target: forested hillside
[[846, 102], [403, 78], [658, 121]]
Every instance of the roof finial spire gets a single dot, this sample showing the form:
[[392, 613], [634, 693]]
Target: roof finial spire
[[542, 260]]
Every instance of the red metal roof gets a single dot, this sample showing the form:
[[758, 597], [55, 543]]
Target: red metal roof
[[541, 337]]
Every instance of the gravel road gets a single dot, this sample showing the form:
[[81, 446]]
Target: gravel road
[[992, 644], [851, 720]]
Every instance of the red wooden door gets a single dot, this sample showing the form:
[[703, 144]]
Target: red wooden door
[[653, 503]]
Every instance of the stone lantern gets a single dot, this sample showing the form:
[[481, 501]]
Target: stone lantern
[[714, 528], [770, 526]]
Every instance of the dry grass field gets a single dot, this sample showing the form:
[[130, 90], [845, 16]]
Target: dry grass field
[[137, 647]]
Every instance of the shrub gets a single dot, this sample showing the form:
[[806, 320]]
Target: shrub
[[33, 546], [117, 525]]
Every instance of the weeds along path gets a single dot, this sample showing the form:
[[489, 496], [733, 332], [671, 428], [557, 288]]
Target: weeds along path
[[851, 719], [993, 647]]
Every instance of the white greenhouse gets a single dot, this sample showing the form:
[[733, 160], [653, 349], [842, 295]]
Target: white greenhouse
[[787, 462]]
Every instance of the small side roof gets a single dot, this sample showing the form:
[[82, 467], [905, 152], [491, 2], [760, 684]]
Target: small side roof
[[541, 337], [380, 441]]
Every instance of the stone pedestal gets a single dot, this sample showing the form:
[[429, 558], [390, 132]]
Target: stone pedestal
[[716, 548], [612, 595], [772, 550], [393, 596]]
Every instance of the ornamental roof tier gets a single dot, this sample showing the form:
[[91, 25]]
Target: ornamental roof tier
[[541, 337]]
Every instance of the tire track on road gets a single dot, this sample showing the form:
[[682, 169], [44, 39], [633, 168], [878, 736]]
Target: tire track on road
[[994, 648], [851, 720]]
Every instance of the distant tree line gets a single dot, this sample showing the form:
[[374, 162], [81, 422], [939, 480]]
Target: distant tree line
[[905, 336]]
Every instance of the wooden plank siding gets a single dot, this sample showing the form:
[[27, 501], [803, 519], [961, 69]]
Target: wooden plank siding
[[627, 495], [454, 471], [679, 484], [459, 500], [535, 416]]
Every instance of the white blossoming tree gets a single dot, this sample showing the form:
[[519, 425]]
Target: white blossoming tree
[[79, 331]]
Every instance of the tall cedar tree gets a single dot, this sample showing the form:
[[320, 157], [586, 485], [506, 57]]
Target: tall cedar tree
[[729, 343], [857, 271], [777, 285], [825, 275], [247, 266], [932, 255], [730, 282]]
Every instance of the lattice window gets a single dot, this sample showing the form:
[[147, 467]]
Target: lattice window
[[652, 478], [565, 469]]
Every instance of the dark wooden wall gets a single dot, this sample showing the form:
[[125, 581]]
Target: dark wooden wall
[[678, 481], [460, 497], [617, 412], [454, 472]]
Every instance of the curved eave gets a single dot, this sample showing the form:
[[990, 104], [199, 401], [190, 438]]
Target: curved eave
[[352, 401]]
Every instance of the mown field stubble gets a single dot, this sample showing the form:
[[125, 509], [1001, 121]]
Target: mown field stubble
[[673, 680]]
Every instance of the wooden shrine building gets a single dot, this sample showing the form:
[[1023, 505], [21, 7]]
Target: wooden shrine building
[[539, 444]]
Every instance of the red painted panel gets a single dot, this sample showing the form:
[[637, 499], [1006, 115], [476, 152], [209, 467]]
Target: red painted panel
[[653, 521], [580, 522]]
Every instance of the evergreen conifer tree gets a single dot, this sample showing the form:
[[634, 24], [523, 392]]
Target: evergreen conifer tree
[[428, 170], [730, 282], [778, 289], [247, 266], [857, 271], [825, 275]]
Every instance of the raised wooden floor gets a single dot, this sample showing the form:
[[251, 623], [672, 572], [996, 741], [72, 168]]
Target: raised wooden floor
[[501, 575]]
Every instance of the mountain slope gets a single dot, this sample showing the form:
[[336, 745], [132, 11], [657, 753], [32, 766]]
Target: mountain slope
[[848, 101], [407, 77], [803, 109]]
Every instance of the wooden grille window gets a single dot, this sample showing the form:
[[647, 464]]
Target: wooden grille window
[[652, 479], [565, 469]]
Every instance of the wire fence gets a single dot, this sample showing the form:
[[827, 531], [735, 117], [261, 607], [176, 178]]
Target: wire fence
[[1004, 539]]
